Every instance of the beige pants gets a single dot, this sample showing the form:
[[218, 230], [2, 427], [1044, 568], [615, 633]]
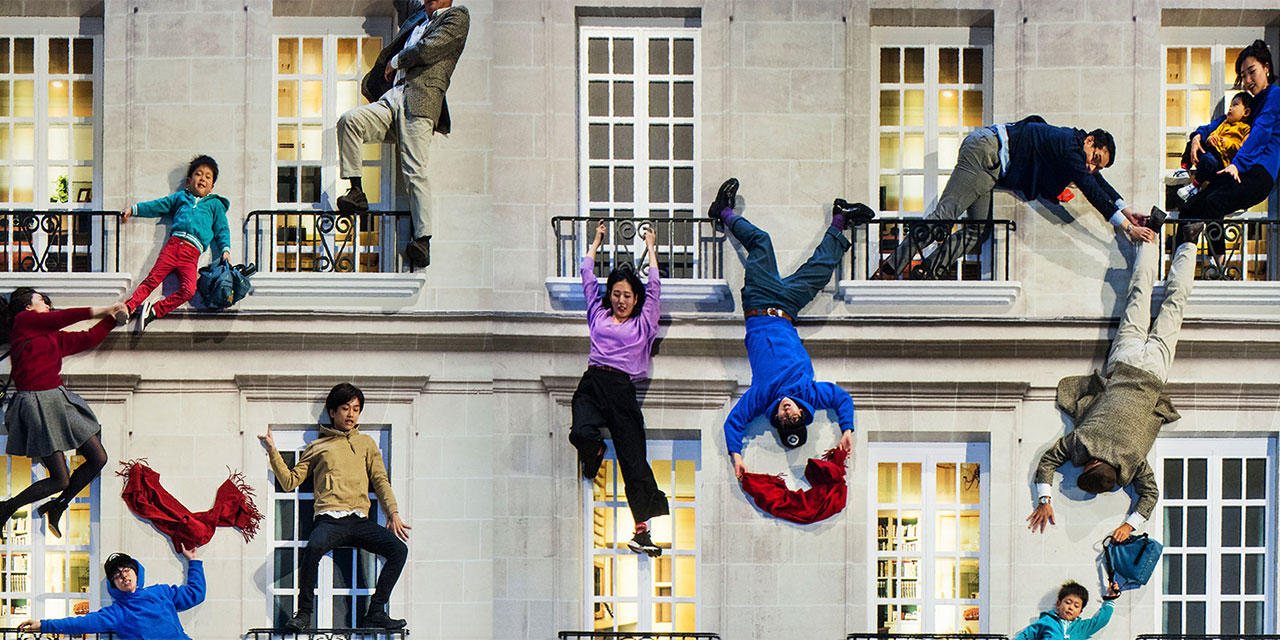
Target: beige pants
[[1152, 349], [387, 120]]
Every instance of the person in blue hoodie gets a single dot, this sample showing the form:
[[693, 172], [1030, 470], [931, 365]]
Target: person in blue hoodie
[[138, 612], [782, 384], [1064, 621], [199, 219]]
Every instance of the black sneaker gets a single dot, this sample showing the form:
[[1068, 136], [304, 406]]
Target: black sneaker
[[856, 213], [380, 620], [725, 198], [1155, 221], [642, 543], [146, 315], [301, 621], [418, 252], [353, 201]]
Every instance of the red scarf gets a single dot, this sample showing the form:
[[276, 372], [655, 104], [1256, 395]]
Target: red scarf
[[232, 507], [824, 498]]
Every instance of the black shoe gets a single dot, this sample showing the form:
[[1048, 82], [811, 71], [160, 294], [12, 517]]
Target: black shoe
[[725, 198], [353, 201], [146, 315], [52, 512], [856, 213], [1189, 232], [380, 620], [642, 543], [418, 252], [301, 621], [590, 463], [1155, 221]]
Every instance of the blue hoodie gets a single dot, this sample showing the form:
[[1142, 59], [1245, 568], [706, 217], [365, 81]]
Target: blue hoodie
[[147, 613], [780, 367], [197, 220], [1051, 627]]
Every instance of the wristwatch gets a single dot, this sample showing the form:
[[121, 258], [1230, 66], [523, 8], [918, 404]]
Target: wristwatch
[[1044, 499]]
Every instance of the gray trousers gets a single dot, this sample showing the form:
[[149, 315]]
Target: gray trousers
[[387, 120], [968, 191], [1152, 349]]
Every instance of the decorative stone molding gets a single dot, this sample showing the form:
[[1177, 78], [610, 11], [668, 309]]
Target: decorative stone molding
[[76, 286], [956, 297], [678, 294], [358, 286]]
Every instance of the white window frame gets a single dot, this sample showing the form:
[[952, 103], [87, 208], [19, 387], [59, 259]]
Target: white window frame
[[928, 456], [1215, 449], [640, 120], [41, 601], [657, 450], [296, 438]]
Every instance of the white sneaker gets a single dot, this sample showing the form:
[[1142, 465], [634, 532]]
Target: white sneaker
[[1187, 191], [1179, 176]]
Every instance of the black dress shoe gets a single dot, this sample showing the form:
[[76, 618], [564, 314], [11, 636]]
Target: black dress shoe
[[380, 620], [1189, 232], [725, 198], [301, 621], [856, 213], [353, 201], [1155, 221], [418, 252]]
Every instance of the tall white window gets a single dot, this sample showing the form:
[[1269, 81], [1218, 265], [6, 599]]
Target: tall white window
[[50, 149], [930, 537], [638, 131], [626, 591], [346, 577], [42, 576], [1218, 517]]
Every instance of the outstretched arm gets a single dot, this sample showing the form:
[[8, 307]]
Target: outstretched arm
[[104, 619], [191, 593], [71, 342], [1055, 457], [289, 478]]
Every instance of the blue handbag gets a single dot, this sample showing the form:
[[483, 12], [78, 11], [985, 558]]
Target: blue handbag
[[1130, 563], [222, 285]]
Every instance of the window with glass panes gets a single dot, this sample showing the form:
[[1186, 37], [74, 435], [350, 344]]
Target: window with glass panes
[[347, 576], [41, 575], [626, 591], [49, 139], [1217, 519], [931, 525], [638, 115]]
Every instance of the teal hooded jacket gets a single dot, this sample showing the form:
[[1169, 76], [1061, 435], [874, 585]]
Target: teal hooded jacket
[[199, 220], [1051, 627]]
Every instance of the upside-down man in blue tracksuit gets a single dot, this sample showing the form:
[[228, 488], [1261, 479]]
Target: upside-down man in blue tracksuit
[[782, 384]]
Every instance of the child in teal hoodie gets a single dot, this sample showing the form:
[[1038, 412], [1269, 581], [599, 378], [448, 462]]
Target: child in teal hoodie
[[1064, 621], [199, 218], [138, 612]]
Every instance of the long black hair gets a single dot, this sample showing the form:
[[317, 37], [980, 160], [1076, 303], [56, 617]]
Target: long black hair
[[620, 273], [1258, 51], [17, 303]]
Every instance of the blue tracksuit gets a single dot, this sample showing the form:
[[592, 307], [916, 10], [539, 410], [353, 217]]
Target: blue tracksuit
[[1051, 627], [149, 613], [780, 367]]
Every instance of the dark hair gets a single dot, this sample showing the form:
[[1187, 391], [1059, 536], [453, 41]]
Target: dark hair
[[1073, 588], [341, 394], [625, 272], [1099, 478], [1260, 52], [1245, 99], [785, 422], [17, 303], [116, 561], [1105, 140], [203, 161]]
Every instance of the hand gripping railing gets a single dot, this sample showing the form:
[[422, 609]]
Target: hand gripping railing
[[1231, 250], [929, 249], [59, 241], [280, 240], [686, 247], [12, 633], [326, 634], [926, 636]]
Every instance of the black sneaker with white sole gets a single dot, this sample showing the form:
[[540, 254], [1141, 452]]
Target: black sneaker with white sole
[[146, 315], [642, 543]]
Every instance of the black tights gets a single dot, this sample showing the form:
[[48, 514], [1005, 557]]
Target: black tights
[[60, 479]]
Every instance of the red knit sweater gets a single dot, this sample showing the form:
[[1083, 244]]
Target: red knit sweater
[[37, 345]]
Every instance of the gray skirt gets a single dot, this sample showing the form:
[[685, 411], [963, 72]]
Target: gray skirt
[[43, 422]]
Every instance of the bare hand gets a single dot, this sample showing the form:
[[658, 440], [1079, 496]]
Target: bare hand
[[226, 256], [739, 467], [846, 441], [1232, 171], [1140, 234], [118, 307], [389, 72], [1134, 217], [1215, 139], [1041, 517], [398, 527], [650, 238], [127, 213], [30, 625], [189, 554], [1122, 532], [601, 230], [267, 441], [1196, 149], [1113, 590]]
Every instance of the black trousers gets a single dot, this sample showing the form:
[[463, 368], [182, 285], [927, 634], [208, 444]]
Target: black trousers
[[1224, 196], [607, 399], [329, 533]]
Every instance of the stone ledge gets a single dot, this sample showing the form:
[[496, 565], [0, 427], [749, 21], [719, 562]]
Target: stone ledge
[[954, 296], [678, 294], [337, 285], [94, 288]]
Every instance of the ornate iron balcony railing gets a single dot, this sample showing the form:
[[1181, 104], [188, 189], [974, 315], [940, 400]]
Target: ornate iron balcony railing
[[687, 247], [326, 634], [637, 635], [59, 241], [926, 636], [1217, 636], [917, 248], [1231, 250], [326, 241], [12, 633]]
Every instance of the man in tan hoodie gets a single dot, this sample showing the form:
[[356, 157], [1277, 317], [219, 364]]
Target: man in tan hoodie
[[342, 464]]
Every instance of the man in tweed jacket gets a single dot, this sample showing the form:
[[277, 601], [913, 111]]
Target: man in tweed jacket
[[1117, 418], [405, 89]]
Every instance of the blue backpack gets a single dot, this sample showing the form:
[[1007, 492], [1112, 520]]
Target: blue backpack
[[222, 285], [1130, 563]]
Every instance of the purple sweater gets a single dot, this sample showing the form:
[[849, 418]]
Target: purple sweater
[[622, 345]]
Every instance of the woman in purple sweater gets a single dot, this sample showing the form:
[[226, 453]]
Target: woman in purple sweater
[[622, 328]]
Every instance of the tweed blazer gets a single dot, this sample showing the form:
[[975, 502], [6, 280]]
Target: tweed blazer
[[428, 64], [1116, 421]]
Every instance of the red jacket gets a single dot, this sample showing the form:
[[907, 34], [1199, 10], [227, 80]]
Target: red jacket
[[37, 345]]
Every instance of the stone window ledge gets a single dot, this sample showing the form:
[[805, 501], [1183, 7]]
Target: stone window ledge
[[74, 286], [337, 285], [952, 294]]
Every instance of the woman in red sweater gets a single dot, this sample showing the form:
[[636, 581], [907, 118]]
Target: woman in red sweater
[[43, 417]]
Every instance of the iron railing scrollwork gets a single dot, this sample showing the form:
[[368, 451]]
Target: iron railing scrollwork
[[1240, 250], [1216, 636], [687, 247], [327, 634], [637, 635], [917, 248], [926, 636], [59, 241], [326, 241]]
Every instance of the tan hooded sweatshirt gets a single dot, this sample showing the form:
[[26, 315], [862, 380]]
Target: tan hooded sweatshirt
[[341, 465]]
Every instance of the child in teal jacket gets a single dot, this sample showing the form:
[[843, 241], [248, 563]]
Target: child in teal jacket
[[199, 219], [1064, 621]]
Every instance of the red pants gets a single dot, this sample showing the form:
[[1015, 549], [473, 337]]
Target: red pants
[[179, 256]]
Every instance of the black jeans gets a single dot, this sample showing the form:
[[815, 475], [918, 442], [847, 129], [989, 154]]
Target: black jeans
[[1224, 196], [330, 533], [608, 399]]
